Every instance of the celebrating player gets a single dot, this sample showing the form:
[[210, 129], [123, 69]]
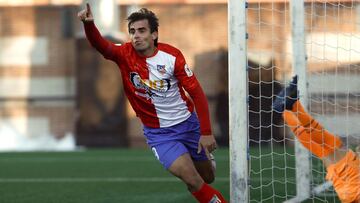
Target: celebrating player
[[155, 76], [343, 165]]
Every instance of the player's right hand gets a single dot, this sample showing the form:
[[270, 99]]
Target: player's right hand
[[86, 14]]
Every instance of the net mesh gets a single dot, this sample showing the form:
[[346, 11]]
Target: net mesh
[[332, 75]]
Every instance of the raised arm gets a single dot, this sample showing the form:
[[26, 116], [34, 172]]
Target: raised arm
[[93, 35]]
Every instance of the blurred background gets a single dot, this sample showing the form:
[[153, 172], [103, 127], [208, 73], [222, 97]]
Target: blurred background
[[57, 92], [56, 89]]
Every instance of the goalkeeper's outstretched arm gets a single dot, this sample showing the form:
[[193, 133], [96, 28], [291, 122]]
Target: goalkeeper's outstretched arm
[[343, 166]]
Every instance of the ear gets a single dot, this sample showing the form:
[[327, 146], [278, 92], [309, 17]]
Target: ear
[[154, 35]]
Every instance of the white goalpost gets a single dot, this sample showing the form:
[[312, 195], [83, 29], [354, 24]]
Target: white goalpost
[[238, 101], [302, 158], [269, 42]]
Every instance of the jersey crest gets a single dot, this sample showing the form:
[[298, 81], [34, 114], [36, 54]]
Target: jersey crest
[[161, 69]]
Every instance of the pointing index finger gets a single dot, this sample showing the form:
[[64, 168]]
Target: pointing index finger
[[87, 7]]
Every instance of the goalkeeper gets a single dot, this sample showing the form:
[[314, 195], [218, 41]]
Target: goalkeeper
[[343, 165]]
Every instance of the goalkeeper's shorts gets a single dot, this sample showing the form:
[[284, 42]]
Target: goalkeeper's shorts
[[170, 143], [345, 176]]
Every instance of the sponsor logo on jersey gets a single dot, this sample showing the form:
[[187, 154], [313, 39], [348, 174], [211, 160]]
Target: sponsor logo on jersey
[[152, 88], [161, 69], [188, 71]]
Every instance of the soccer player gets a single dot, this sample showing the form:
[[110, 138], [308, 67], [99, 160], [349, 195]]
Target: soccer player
[[343, 165], [155, 76]]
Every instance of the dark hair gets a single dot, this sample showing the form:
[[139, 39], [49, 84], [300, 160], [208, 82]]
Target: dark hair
[[142, 14]]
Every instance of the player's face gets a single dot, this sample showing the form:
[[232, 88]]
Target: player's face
[[141, 37]]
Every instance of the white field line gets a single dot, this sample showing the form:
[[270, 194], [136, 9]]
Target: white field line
[[116, 179], [85, 180], [102, 159], [119, 179], [89, 159]]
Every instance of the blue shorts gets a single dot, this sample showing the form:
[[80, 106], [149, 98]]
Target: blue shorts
[[171, 142]]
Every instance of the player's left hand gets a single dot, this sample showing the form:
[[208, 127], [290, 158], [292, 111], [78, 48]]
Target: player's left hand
[[208, 143]]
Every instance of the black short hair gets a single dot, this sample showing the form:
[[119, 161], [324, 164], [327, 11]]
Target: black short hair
[[142, 14]]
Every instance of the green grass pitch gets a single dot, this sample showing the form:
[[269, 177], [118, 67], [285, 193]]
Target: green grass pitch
[[119, 175], [134, 175]]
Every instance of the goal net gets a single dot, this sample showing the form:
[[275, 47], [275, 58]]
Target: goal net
[[319, 40]]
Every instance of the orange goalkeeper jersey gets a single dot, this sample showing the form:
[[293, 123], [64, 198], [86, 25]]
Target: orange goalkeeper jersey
[[345, 176]]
